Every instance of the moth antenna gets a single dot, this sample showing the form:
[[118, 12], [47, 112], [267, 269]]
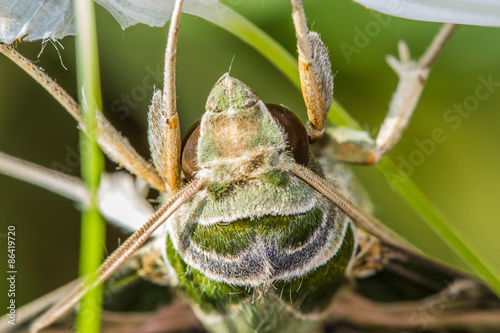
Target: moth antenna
[[366, 221], [117, 258]]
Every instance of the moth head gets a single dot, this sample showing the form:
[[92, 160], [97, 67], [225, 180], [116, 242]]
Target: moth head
[[239, 137]]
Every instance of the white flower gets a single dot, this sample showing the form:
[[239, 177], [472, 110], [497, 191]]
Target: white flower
[[474, 12], [53, 19]]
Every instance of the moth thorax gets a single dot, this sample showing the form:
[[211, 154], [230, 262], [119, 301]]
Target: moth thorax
[[234, 136]]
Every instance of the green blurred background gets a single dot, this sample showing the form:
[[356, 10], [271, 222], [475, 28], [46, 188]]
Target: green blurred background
[[461, 177]]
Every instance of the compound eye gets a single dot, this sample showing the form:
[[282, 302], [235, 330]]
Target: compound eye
[[298, 141], [189, 151]]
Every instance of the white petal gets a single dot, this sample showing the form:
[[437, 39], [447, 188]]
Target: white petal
[[35, 19], [38, 19], [473, 12], [129, 12], [121, 202]]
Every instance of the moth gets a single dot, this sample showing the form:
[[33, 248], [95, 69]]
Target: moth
[[226, 173]]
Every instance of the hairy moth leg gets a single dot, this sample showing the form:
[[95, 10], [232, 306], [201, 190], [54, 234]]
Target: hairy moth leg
[[164, 131], [316, 77], [116, 147], [353, 146]]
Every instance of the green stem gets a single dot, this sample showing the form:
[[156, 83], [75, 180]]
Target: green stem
[[287, 64], [93, 226]]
